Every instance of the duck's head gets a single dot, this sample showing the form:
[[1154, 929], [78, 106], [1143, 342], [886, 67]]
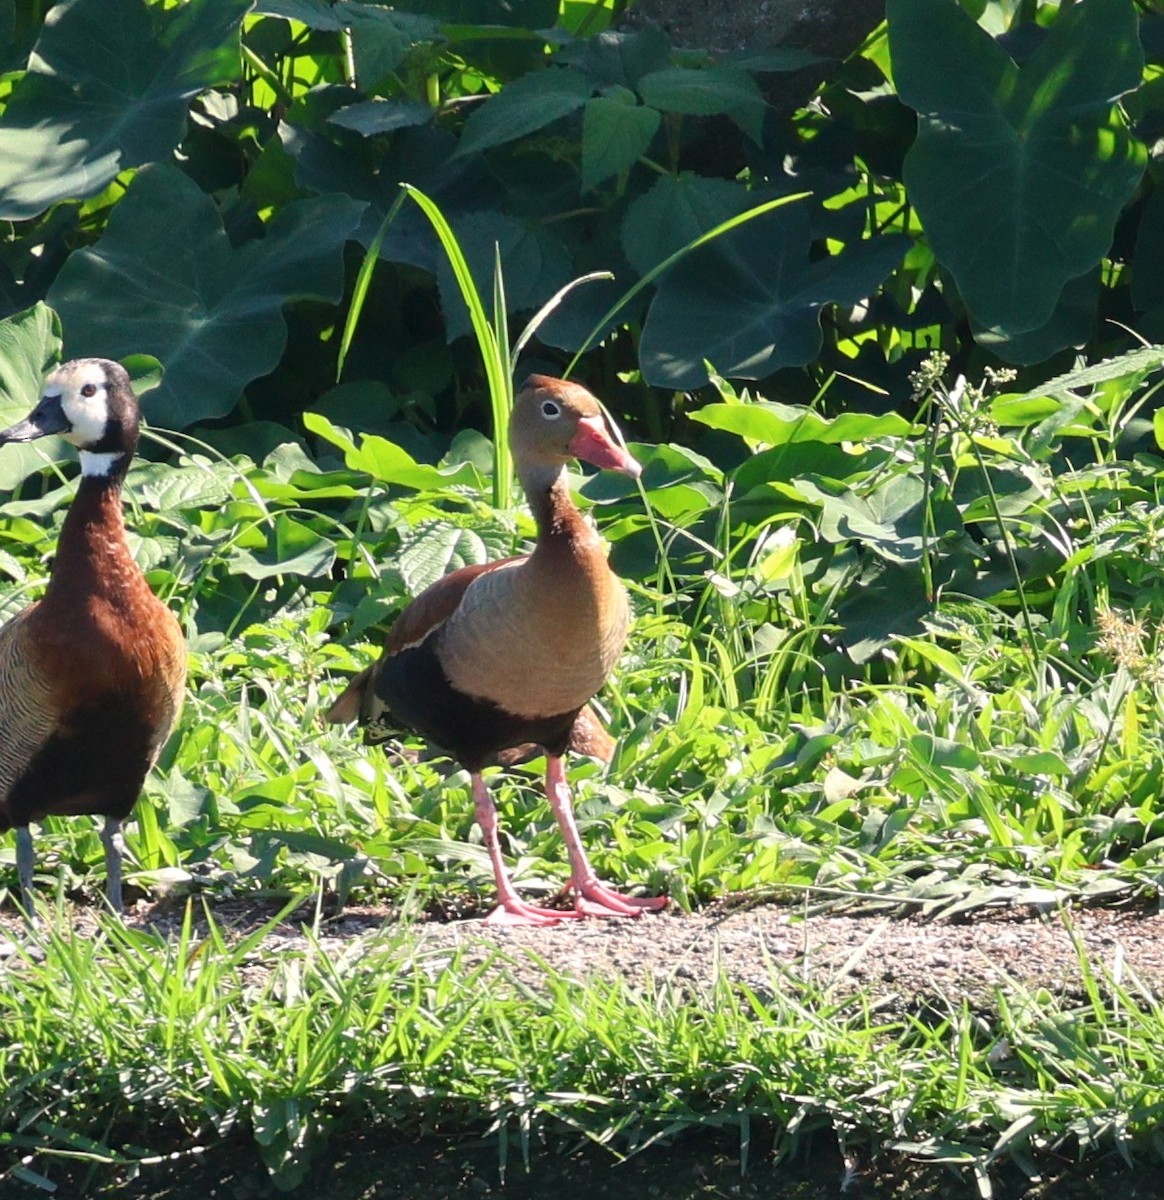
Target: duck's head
[[90, 403], [554, 421]]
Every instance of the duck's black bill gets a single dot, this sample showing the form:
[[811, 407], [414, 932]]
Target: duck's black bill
[[48, 417]]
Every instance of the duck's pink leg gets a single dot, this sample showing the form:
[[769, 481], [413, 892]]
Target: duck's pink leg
[[592, 898], [512, 910]]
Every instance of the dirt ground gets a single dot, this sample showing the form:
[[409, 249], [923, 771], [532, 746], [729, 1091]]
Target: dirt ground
[[900, 963]]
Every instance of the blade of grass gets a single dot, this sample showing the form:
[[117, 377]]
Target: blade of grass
[[363, 282], [494, 352]]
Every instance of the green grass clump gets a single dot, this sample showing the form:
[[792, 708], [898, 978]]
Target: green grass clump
[[128, 1039]]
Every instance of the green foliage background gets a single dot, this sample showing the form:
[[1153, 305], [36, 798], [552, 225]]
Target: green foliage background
[[190, 181], [217, 188], [895, 559]]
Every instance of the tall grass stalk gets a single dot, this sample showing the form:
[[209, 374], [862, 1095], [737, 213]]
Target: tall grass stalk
[[491, 342]]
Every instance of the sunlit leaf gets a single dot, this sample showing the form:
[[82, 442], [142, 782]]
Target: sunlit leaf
[[107, 88], [30, 346], [1018, 173]]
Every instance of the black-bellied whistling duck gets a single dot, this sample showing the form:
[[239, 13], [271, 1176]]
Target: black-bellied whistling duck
[[496, 656], [92, 674]]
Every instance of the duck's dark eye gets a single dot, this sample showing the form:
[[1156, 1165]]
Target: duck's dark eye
[[89, 389], [550, 409]]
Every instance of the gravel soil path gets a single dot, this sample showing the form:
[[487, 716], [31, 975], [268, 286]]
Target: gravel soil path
[[899, 962]]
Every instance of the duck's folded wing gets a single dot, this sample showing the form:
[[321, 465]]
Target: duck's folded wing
[[28, 709]]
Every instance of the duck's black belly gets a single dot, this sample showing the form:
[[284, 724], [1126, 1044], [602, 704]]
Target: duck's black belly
[[95, 764], [414, 686]]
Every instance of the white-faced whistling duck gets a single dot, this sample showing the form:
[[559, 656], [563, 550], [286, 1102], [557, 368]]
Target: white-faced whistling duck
[[92, 674]]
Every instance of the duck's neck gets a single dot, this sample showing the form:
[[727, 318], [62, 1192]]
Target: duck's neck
[[92, 551], [548, 494]]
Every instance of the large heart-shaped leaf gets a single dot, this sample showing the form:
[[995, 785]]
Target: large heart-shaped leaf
[[371, 173], [1070, 324], [535, 265], [165, 279], [30, 345], [749, 302], [894, 520], [107, 88], [888, 602], [677, 210], [1018, 173]]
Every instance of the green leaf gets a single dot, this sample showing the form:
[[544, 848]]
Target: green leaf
[[433, 549], [888, 601], [749, 302], [167, 488], [30, 346], [945, 660], [1038, 762], [315, 14], [677, 210], [211, 312], [1121, 366], [1018, 174], [706, 92], [891, 520], [617, 58], [144, 371], [1023, 410], [527, 104], [614, 135], [107, 88], [536, 265], [773, 424], [369, 117], [1070, 324], [942, 752], [295, 549], [389, 463]]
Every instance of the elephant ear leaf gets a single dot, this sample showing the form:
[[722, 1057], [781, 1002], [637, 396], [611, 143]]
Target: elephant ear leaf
[[210, 312], [107, 87], [1018, 173], [749, 302], [30, 345]]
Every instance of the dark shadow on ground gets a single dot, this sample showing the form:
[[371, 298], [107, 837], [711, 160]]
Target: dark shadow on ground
[[385, 1166]]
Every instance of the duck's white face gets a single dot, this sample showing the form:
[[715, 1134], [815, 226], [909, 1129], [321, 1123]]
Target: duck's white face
[[82, 389], [90, 403]]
